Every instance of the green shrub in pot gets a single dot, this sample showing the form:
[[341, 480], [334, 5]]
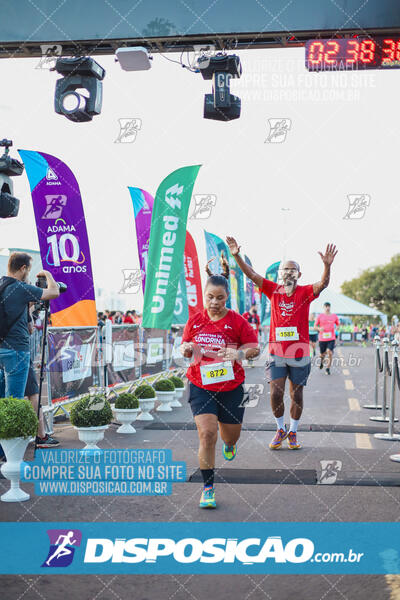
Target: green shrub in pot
[[17, 419], [91, 411], [126, 400], [144, 392], [177, 381], [164, 385]]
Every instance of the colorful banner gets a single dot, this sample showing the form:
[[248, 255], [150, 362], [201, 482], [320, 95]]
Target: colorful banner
[[271, 274], [212, 251], [237, 284], [143, 206], [181, 310], [211, 238], [249, 296], [193, 279], [166, 247], [63, 240]]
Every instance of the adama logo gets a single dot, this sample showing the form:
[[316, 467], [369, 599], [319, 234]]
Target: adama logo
[[62, 547], [52, 177]]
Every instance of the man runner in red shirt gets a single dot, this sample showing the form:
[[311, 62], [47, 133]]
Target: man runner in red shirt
[[325, 324], [289, 340]]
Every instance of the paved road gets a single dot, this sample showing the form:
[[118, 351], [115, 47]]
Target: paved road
[[335, 428]]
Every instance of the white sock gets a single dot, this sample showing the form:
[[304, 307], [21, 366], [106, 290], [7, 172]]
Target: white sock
[[280, 422], [294, 424]]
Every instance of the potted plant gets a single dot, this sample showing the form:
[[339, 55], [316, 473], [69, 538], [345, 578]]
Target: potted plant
[[146, 397], [91, 416], [179, 389], [126, 408], [165, 392], [18, 424]]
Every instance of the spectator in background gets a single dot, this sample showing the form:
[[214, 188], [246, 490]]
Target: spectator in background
[[101, 320], [112, 316], [128, 317], [118, 318]]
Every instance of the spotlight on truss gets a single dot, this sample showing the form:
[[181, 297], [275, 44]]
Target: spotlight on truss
[[221, 105], [9, 167], [83, 74]]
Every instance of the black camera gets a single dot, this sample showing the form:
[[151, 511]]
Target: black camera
[[41, 282]]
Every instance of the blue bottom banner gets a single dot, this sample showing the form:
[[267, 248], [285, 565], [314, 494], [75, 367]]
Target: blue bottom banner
[[208, 548]]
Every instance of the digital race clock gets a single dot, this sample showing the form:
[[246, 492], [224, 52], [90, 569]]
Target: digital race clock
[[381, 52]]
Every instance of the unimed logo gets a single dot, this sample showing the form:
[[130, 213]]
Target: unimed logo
[[191, 550]]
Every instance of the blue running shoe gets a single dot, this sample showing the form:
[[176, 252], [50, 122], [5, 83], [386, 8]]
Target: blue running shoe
[[207, 499], [229, 452]]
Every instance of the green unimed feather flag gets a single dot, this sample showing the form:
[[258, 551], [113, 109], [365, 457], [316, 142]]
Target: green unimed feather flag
[[166, 247]]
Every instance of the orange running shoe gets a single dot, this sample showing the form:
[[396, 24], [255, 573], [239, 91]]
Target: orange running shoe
[[292, 441], [280, 435]]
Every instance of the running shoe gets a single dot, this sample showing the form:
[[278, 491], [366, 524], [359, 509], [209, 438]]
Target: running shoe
[[321, 364], [207, 499], [46, 442], [328, 371], [280, 435], [229, 452], [292, 441]]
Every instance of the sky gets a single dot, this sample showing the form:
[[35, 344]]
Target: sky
[[342, 141]]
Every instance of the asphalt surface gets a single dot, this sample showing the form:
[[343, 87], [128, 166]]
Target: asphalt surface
[[361, 484]]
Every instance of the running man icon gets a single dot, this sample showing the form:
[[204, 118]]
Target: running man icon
[[62, 547]]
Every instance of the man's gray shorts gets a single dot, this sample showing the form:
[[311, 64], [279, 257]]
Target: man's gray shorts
[[297, 370]]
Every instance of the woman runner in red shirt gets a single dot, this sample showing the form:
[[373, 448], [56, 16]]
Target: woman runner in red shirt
[[217, 339]]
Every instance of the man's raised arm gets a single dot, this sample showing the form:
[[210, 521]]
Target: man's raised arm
[[327, 259], [247, 269]]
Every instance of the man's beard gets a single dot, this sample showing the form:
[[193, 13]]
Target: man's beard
[[289, 284]]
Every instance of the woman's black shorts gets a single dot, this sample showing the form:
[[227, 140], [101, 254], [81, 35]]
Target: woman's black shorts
[[226, 405]]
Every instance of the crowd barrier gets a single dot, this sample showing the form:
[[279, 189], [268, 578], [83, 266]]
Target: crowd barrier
[[390, 372], [78, 358]]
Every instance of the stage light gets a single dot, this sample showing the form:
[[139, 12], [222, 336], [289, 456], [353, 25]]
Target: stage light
[[83, 74], [221, 105], [135, 58], [9, 167]]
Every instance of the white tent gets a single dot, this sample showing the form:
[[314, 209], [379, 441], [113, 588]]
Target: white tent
[[343, 305]]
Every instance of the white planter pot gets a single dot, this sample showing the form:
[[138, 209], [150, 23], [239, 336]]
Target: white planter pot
[[14, 449], [146, 405], [91, 435], [178, 394], [126, 416], [165, 399]]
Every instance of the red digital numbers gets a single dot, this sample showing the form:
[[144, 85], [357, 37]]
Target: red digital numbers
[[316, 53], [390, 51], [353, 53]]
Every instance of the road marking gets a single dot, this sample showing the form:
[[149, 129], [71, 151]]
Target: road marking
[[354, 404], [363, 441], [393, 583], [349, 384], [346, 372]]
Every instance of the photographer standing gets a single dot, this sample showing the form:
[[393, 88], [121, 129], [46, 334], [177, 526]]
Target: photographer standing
[[15, 296]]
